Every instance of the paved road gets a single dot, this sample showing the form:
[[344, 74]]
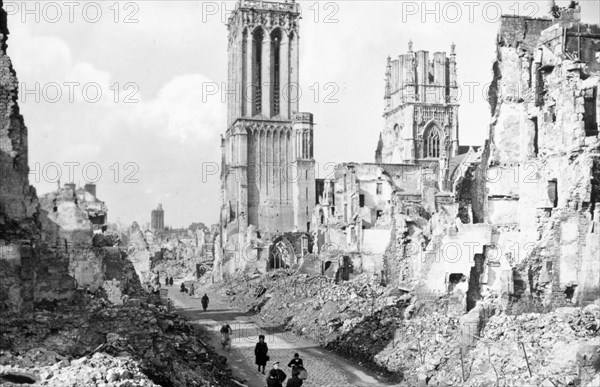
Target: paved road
[[325, 369]]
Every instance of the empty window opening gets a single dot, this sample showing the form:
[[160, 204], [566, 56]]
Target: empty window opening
[[361, 200], [535, 136], [570, 291], [275, 82], [550, 115], [347, 268], [257, 71], [589, 116], [474, 290], [453, 280], [379, 214], [244, 75], [379, 189], [552, 192]]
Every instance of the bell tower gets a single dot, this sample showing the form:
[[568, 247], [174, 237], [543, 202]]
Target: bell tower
[[267, 177]]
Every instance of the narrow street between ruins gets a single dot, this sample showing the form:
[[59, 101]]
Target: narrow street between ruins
[[325, 369]]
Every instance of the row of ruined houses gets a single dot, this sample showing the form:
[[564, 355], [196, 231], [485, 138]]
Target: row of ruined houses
[[515, 219]]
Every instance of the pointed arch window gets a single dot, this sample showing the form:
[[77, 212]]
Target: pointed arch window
[[258, 37], [275, 81], [431, 142]]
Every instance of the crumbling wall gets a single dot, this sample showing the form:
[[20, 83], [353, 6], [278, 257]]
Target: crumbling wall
[[538, 169], [26, 274]]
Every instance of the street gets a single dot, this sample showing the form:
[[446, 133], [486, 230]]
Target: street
[[325, 369]]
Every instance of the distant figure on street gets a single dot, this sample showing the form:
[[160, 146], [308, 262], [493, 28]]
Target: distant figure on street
[[204, 302], [182, 288], [166, 280], [192, 290], [171, 281], [273, 380], [280, 374], [296, 362], [260, 353], [226, 332]]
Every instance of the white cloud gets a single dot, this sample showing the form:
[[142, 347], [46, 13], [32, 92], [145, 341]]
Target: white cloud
[[178, 112]]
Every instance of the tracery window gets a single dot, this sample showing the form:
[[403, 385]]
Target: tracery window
[[431, 142]]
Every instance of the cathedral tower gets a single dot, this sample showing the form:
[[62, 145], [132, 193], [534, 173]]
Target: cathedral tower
[[267, 177], [421, 110]]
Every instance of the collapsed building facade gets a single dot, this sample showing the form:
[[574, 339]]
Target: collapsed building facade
[[416, 159], [267, 175], [515, 219], [523, 225]]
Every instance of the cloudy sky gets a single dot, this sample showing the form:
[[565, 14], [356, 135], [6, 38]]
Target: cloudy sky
[[120, 92]]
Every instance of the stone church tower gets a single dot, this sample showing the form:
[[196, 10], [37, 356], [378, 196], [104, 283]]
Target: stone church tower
[[421, 113], [267, 176]]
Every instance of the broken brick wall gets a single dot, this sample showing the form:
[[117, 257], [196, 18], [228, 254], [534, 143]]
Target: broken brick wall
[[539, 177]]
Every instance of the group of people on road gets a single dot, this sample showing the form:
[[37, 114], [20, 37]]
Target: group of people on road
[[276, 376], [168, 281]]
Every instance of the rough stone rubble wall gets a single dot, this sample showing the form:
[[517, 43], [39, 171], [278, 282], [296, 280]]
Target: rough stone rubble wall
[[18, 202]]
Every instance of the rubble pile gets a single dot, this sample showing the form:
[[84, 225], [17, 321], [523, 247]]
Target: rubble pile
[[49, 368], [420, 341], [168, 350]]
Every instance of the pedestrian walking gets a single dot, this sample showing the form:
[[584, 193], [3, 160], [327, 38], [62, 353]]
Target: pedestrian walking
[[280, 374], [261, 354], [166, 281], [204, 302], [273, 380], [192, 290], [182, 288], [171, 281], [296, 362], [226, 332]]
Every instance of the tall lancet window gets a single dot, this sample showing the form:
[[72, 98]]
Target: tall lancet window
[[257, 70], [431, 142], [244, 85], [275, 82]]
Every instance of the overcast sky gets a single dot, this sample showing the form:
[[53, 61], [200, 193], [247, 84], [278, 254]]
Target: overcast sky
[[155, 126]]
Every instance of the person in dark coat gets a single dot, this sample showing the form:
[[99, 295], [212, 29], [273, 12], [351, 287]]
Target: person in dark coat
[[260, 353], [273, 380], [183, 289], [296, 362], [166, 281], [280, 374], [204, 302], [171, 281]]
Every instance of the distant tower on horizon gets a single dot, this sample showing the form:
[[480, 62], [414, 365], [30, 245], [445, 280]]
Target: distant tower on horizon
[[157, 219]]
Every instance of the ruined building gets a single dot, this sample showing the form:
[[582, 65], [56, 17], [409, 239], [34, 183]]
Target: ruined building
[[415, 162], [157, 219], [524, 223], [267, 177], [421, 113]]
